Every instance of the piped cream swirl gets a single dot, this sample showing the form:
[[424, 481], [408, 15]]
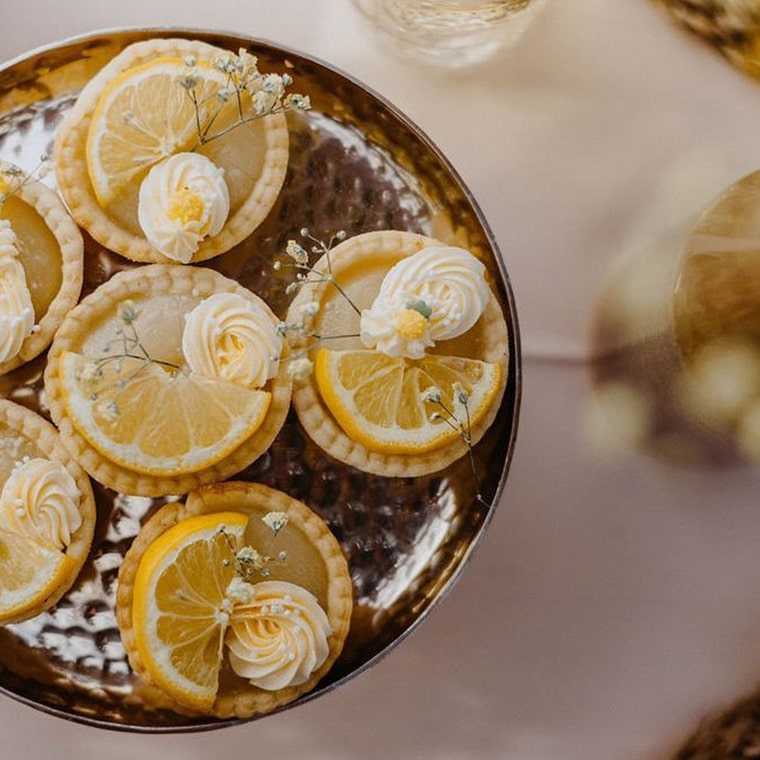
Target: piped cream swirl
[[40, 500], [279, 637], [437, 294], [183, 199], [16, 309], [229, 337]]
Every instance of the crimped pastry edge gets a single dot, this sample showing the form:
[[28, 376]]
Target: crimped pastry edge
[[75, 186], [156, 278], [317, 419], [216, 498]]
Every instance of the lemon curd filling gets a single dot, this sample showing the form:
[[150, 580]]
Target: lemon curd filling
[[186, 206], [411, 323]]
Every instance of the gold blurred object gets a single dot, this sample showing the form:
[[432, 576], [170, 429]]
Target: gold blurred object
[[730, 26], [677, 329]]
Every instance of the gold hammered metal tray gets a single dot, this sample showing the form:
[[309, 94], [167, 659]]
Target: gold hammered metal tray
[[356, 164]]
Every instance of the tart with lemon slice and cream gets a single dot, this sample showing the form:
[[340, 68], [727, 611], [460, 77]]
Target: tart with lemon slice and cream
[[235, 602], [175, 151], [412, 356], [41, 266], [166, 378], [47, 515]]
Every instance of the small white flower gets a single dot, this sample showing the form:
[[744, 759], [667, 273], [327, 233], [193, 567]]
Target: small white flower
[[89, 372], [460, 393], [108, 410], [299, 102], [127, 311], [300, 369], [297, 253], [432, 395], [275, 521], [272, 83], [223, 62], [188, 81], [309, 309], [263, 102]]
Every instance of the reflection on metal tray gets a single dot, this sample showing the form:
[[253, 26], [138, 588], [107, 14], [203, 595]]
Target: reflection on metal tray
[[355, 164]]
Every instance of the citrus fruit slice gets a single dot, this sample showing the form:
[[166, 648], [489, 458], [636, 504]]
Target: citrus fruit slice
[[153, 421], [30, 574], [143, 116], [405, 406], [180, 610]]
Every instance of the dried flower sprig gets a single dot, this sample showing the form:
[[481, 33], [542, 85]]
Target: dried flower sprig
[[250, 562], [299, 258], [307, 274], [13, 178], [254, 94], [460, 424], [126, 345]]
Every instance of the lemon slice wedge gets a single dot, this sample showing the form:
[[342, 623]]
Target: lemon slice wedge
[[30, 574], [180, 610], [156, 422], [144, 116], [387, 404]]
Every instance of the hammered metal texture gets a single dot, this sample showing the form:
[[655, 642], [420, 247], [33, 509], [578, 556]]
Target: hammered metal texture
[[357, 165]]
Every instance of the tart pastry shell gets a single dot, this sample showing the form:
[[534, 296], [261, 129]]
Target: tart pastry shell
[[142, 283], [239, 698]]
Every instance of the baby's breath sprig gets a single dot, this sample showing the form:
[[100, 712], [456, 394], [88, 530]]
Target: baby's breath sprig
[[250, 562], [126, 345], [267, 93], [306, 273], [299, 258], [13, 178], [462, 425]]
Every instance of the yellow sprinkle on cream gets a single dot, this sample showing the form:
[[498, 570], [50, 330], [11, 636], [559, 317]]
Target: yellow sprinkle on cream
[[186, 206], [410, 323]]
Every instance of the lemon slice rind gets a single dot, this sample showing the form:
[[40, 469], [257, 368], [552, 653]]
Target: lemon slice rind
[[151, 607], [99, 432]]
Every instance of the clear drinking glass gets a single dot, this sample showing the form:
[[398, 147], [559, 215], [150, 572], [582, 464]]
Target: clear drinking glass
[[451, 33]]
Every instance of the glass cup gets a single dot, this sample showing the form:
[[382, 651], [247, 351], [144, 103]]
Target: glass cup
[[450, 33]]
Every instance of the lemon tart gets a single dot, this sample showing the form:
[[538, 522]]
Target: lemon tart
[[164, 159], [408, 349], [235, 602], [41, 266], [47, 515], [166, 378]]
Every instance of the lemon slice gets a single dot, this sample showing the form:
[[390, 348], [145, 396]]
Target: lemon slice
[[144, 116], [152, 421], [380, 402], [30, 574], [180, 611]]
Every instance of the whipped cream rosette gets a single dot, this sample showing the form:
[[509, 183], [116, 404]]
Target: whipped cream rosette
[[173, 152], [434, 295], [41, 263], [419, 370], [166, 378], [270, 596], [182, 201], [47, 515], [16, 308]]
